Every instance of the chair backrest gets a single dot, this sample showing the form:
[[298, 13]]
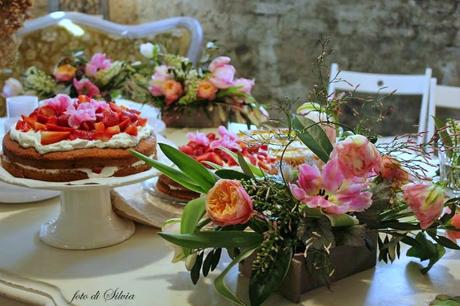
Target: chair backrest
[[442, 96], [397, 84], [76, 24]]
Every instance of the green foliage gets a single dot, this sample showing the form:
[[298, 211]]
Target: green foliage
[[313, 136], [424, 249], [268, 279]]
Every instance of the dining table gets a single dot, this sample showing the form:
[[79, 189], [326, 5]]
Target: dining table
[[139, 271]]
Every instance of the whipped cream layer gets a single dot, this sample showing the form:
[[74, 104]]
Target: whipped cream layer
[[122, 140]]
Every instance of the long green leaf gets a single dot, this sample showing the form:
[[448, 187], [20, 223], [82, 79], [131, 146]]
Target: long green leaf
[[219, 283], [313, 136], [170, 172], [190, 167], [231, 174], [193, 212], [256, 171], [221, 239], [244, 166]]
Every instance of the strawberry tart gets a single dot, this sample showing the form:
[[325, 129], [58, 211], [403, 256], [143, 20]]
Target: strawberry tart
[[207, 149], [72, 139]]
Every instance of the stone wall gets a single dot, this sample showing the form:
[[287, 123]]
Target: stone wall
[[276, 41]]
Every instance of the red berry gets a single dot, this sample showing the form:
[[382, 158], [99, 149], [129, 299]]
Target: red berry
[[110, 118]]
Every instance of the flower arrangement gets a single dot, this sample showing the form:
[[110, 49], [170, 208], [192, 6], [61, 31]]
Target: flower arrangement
[[168, 81], [177, 86], [307, 211], [449, 153]]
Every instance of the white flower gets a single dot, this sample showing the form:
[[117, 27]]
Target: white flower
[[147, 50], [12, 88]]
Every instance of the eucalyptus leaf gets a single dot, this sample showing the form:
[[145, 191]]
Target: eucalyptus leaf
[[219, 283], [221, 239], [313, 136], [170, 172]]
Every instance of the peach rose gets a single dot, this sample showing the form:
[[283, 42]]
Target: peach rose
[[228, 203], [390, 169], [172, 90], [206, 91], [64, 73]]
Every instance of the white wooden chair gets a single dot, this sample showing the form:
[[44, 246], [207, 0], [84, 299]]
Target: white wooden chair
[[399, 84], [71, 20], [442, 96]]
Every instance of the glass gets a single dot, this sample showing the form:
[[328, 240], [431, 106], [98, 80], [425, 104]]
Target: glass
[[17, 106], [449, 162]]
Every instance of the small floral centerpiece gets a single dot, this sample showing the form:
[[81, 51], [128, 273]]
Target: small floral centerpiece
[[305, 212], [205, 96]]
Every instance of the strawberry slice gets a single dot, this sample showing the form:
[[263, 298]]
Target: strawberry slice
[[39, 126], [131, 130], [142, 121], [22, 126], [112, 130], [110, 118], [102, 136], [63, 120], [47, 111], [99, 127], [87, 126], [29, 120], [48, 137], [115, 107], [124, 124], [42, 118], [54, 127], [88, 135], [52, 120]]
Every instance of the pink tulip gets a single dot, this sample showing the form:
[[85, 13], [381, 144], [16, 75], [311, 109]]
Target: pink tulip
[[328, 189], [357, 156], [158, 78], [244, 85], [227, 140], [198, 138], [86, 87], [425, 200], [98, 62], [60, 103], [222, 72], [228, 203]]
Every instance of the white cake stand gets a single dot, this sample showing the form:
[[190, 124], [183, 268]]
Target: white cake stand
[[86, 219]]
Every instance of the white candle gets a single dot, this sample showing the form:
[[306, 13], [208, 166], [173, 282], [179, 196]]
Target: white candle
[[17, 106]]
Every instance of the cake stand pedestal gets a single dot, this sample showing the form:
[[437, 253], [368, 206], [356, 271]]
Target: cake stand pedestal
[[86, 219]]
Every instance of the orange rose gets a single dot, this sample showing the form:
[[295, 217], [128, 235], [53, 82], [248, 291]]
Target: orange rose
[[390, 169], [172, 90], [64, 73], [206, 91], [455, 222], [228, 203]]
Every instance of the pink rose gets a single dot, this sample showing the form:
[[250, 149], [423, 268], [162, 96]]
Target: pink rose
[[86, 87], [222, 72], [98, 62], [158, 78], [357, 156], [425, 200], [228, 203], [328, 189], [244, 85]]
